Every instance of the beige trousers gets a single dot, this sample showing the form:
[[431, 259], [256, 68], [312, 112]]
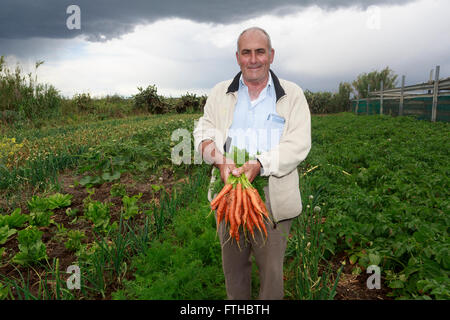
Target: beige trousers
[[269, 257]]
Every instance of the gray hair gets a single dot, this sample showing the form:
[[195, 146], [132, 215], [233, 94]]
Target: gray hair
[[255, 29]]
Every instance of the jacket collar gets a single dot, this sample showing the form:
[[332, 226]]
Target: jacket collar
[[279, 91]]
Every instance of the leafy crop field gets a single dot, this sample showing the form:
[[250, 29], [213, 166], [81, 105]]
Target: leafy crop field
[[106, 197]]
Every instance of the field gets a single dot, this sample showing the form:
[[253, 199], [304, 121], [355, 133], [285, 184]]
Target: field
[[104, 195]]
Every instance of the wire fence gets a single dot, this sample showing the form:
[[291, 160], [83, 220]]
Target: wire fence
[[427, 101]]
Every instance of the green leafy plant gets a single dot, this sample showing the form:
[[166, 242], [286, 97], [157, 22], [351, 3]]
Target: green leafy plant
[[52, 202], [59, 200], [75, 238], [14, 220], [380, 209], [38, 204], [98, 213], [130, 206], [41, 218], [6, 233], [31, 247], [118, 190]]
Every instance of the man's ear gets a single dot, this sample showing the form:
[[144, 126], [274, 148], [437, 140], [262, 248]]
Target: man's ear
[[272, 54]]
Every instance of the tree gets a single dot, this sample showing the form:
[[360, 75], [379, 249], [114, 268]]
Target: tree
[[342, 97], [373, 79]]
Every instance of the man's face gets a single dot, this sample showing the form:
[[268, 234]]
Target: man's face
[[254, 56]]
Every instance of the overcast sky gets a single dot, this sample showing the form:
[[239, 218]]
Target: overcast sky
[[189, 46]]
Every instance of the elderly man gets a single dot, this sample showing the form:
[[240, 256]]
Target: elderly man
[[258, 104]]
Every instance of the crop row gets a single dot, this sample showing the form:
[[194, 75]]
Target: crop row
[[385, 184]]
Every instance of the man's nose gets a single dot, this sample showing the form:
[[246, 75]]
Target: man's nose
[[253, 57]]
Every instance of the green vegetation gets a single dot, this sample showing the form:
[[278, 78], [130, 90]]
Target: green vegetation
[[31, 247], [92, 184], [22, 97], [372, 81], [327, 102], [384, 182]]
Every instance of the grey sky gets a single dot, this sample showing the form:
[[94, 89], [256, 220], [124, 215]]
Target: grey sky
[[21, 19], [189, 45]]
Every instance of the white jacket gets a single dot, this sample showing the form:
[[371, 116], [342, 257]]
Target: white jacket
[[280, 163]]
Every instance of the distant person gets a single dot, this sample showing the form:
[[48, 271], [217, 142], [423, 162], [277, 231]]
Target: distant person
[[256, 101]]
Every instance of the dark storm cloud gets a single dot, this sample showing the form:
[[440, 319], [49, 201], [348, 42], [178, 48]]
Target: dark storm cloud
[[106, 19]]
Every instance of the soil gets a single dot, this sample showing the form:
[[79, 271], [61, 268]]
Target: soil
[[354, 287], [54, 244], [350, 287]]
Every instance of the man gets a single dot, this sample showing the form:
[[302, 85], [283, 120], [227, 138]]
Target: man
[[236, 111]]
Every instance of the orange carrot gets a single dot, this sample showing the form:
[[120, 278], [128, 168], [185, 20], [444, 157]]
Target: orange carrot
[[227, 209], [245, 206], [226, 188], [250, 225], [221, 209], [262, 205], [263, 225], [237, 211], [252, 192], [232, 209], [252, 216]]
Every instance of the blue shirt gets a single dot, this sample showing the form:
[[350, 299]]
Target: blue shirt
[[256, 125]]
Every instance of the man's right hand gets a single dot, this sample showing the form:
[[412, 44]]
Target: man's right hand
[[214, 156]]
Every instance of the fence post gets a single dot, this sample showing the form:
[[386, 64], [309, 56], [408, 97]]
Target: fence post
[[400, 109], [435, 95], [381, 97]]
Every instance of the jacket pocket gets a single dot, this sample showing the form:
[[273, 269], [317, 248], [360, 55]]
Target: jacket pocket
[[284, 196], [275, 126]]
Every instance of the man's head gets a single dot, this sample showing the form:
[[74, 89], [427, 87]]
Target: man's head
[[254, 54]]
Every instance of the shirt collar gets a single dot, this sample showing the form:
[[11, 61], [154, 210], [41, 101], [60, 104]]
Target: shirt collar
[[243, 85]]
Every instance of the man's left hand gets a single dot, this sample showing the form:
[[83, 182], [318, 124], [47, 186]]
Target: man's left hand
[[251, 169]]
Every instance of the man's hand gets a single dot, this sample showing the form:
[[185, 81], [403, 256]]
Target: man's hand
[[251, 169], [214, 156], [226, 167]]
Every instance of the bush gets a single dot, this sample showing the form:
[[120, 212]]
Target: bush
[[190, 103], [149, 100], [319, 102], [341, 100], [22, 97], [115, 98], [327, 102], [83, 102]]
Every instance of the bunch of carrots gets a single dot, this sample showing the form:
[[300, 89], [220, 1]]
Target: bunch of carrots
[[241, 206]]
